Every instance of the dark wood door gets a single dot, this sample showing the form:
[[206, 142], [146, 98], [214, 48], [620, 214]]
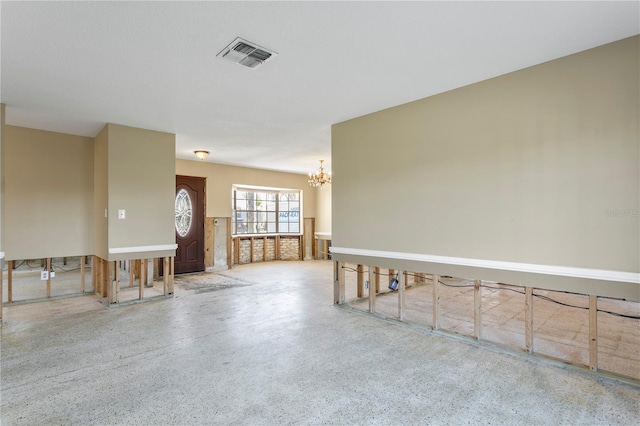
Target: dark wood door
[[190, 205]]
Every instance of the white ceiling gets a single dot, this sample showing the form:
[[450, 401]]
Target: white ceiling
[[74, 66]]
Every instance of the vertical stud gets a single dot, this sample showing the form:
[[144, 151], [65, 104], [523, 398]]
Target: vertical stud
[[116, 280], [593, 332], [141, 286], [338, 292], [9, 281], [82, 273], [528, 319], [48, 262], [165, 278], [229, 252], [477, 310], [377, 278], [132, 273], [436, 301], [401, 295], [144, 273], [372, 291], [360, 280], [172, 265]]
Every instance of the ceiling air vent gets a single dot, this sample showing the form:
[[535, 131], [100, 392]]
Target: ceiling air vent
[[245, 53]]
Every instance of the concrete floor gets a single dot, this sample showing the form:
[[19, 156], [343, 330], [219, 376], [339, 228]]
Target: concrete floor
[[262, 344]]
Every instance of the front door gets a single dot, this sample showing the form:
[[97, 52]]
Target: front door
[[189, 224]]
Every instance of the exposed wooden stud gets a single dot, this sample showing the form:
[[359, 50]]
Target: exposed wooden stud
[[209, 241], [372, 290], [312, 235], [264, 249], [528, 319], [401, 295], [406, 279], [144, 273], [171, 277], [48, 262], [251, 250], [64, 261], [325, 249], [593, 332], [116, 280], [436, 302], [477, 310], [95, 273], [82, 273], [237, 243], [229, 257], [132, 273], [376, 271], [277, 248], [392, 273], [360, 280], [167, 272], [141, 286], [9, 281], [338, 291]]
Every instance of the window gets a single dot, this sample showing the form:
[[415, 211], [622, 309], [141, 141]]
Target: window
[[265, 211]]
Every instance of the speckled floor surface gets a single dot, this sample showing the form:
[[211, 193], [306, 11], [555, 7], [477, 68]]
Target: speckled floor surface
[[262, 344]]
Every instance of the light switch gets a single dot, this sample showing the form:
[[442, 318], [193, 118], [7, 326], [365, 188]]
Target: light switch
[[122, 214]]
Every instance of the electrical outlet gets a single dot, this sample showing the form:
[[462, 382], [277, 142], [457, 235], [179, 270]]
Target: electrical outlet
[[366, 285], [44, 275], [122, 214]]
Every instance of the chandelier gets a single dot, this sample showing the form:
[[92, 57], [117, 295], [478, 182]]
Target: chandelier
[[318, 180]]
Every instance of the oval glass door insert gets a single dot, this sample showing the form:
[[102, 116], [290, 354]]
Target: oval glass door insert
[[183, 212]]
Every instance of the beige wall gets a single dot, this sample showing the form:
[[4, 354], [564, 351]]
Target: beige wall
[[323, 209], [537, 166], [220, 178], [141, 181], [100, 194], [48, 194]]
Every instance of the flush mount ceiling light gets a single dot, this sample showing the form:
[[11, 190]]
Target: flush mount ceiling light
[[201, 154], [319, 179], [246, 53]]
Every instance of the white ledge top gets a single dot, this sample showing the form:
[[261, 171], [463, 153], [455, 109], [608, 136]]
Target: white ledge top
[[142, 249], [567, 271]]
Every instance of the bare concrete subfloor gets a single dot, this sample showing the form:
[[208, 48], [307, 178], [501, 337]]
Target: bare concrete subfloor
[[262, 344]]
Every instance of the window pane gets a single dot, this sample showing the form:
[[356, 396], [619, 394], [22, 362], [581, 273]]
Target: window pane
[[294, 227], [271, 227], [283, 227], [270, 205], [271, 216]]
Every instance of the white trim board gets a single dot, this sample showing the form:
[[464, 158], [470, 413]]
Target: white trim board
[[142, 249], [567, 271]]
